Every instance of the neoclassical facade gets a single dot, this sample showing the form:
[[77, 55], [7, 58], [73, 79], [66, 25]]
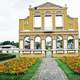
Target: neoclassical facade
[[48, 27]]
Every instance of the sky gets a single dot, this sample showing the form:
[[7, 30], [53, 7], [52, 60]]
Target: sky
[[13, 10]]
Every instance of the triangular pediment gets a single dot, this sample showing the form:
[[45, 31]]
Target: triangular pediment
[[48, 5]]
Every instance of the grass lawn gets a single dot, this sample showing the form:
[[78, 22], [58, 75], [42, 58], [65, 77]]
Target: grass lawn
[[70, 74], [26, 76]]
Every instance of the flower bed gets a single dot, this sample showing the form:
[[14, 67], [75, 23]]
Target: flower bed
[[17, 66], [73, 62]]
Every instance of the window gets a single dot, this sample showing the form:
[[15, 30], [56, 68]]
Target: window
[[37, 22], [48, 23], [59, 21]]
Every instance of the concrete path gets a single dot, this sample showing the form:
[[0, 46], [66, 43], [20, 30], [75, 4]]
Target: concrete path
[[49, 70]]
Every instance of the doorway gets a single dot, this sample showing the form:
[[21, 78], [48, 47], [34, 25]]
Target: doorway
[[48, 46]]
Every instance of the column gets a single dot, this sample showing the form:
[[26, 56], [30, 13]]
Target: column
[[43, 44], [32, 45], [76, 43], [21, 45], [53, 20], [65, 46], [42, 16], [54, 44], [65, 43]]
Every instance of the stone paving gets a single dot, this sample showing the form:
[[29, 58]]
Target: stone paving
[[49, 70]]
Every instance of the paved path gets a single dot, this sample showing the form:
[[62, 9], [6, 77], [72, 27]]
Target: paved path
[[49, 70]]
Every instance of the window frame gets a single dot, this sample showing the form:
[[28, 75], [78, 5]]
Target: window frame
[[35, 20], [57, 22], [47, 27]]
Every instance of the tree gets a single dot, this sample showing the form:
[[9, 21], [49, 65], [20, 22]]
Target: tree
[[5, 43], [10, 43]]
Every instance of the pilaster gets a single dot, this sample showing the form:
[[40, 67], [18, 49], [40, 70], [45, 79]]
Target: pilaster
[[65, 43]]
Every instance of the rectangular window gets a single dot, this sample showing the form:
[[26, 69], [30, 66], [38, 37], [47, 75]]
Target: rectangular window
[[37, 22], [48, 23], [59, 21]]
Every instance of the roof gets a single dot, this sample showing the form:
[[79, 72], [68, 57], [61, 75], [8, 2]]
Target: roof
[[48, 5], [7, 46]]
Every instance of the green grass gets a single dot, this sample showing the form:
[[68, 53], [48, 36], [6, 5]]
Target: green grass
[[26, 76], [70, 74]]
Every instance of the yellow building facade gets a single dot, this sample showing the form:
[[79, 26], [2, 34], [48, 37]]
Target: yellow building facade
[[48, 27]]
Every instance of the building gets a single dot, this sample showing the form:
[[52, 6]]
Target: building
[[48, 27], [7, 47]]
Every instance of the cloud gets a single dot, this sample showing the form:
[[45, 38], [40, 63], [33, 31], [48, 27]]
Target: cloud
[[12, 10]]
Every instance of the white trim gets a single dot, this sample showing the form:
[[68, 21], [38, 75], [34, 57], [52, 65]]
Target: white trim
[[25, 31], [52, 31]]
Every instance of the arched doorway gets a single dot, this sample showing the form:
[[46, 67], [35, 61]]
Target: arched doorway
[[37, 43], [48, 46], [59, 42], [27, 42], [70, 42]]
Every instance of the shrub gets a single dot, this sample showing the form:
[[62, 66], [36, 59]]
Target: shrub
[[18, 66], [73, 62], [6, 56]]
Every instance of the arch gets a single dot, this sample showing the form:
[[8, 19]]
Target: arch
[[27, 42], [59, 42], [48, 13], [37, 42], [37, 13], [48, 42], [70, 42]]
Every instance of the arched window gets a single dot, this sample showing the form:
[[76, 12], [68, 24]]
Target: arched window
[[70, 42], [59, 42], [37, 44], [27, 43], [48, 42]]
